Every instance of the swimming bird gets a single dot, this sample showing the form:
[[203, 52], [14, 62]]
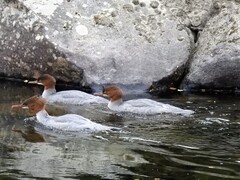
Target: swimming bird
[[67, 122], [138, 106], [74, 97]]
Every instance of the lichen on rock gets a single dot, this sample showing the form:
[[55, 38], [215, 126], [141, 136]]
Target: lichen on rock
[[127, 42]]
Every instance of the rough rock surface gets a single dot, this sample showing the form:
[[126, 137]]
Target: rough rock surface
[[25, 50], [216, 63], [192, 17], [111, 41], [147, 42]]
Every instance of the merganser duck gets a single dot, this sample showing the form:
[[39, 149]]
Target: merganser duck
[[67, 122], [138, 106], [74, 97]]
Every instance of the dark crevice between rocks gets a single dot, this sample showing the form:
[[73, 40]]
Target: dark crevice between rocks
[[195, 33], [171, 84], [195, 30], [168, 84]]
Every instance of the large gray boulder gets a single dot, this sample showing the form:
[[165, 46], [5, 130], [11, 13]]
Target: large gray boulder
[[92, 42], [191, 15], [25, 50], [120, 41], [216, 62]]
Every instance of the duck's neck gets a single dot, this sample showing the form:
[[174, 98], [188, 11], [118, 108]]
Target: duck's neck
[[47, 92], [115, 103], [42, 115]]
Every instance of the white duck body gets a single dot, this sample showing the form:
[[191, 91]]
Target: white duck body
[[147, 107], [74, 97], [139, 106], [70, 122]]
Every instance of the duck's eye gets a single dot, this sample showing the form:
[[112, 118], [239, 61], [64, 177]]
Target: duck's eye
[[103, 89]]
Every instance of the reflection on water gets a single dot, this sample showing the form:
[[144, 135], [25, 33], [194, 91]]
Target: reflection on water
[[30, 134], [203, 146]]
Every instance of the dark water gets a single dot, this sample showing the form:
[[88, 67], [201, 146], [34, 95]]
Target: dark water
[[205, 146]]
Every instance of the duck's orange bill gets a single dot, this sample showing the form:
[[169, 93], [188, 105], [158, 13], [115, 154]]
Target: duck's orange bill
[[100, 94], [34, 82], [19, 106]]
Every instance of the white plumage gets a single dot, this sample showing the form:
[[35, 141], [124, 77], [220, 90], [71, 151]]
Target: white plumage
[[67, 122], [139, 106], [74, 97]]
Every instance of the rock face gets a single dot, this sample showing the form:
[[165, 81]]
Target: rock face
[[111, 41], [25, 50], [146, 42], [216, 63]]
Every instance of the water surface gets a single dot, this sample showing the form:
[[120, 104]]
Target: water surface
[[203, 146]]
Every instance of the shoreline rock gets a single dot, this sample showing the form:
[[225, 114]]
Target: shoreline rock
[[161, 44]]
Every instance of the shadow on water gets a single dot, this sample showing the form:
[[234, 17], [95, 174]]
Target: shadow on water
[[204, 146]]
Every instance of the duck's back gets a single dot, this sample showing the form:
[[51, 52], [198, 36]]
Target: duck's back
[[75, 97], [70, 122], [148, 106]]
